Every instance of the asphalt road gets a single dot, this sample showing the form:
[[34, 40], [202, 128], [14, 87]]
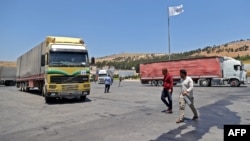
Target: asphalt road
[[131, 112]]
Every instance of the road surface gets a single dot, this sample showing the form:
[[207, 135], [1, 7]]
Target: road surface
[[131, 112]]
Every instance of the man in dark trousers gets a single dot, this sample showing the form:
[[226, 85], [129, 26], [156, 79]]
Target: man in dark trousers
[[167, 90], [120, 81], [108, 82]]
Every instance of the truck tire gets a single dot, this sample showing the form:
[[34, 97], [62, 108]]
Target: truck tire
[[160, 82], [209, 82], [154, 83], [7, 83], [13, 83], [47, 99], [204, 82], [43, 91], [26, 88], [83, 98], [234, 83]]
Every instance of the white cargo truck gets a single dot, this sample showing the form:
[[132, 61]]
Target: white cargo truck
[[7, 76]]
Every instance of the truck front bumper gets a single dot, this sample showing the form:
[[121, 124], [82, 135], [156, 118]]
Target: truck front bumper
[[68, 90], [68, 94]]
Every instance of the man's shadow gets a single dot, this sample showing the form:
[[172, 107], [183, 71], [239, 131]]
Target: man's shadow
[[213, 115]]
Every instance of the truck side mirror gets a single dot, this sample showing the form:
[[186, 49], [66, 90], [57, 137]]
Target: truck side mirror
[[43, 60], [92, 60]]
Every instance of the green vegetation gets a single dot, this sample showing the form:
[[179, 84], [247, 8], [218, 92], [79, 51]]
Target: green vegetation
[[243, 58]]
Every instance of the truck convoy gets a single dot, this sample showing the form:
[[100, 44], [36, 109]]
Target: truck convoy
[[58, 67], [204, 71], [7, 76]]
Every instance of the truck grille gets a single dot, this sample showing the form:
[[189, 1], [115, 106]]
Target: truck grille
[[69, 79], [69, 87]]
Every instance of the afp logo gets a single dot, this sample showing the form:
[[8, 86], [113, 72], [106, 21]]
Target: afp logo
[[235, 132]]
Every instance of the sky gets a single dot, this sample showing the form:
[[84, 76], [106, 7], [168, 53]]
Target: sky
[[122, 26]]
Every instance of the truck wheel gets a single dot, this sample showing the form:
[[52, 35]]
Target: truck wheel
[[13, 83], [210, 83], [83, 98], [160, 82], [154, 83], [26, 88], [47, 100], [204, 83], [234, 83]]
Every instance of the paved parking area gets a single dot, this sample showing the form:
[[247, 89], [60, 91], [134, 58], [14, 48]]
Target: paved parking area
[[130, 112]]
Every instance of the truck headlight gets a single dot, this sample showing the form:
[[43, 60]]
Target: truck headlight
[[86, 85]]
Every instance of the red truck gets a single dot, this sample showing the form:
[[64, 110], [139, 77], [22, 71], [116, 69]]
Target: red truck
[[205, 71]]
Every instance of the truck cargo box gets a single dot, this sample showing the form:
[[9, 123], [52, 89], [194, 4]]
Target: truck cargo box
[[7, 73], [196, 68], [29, 66]]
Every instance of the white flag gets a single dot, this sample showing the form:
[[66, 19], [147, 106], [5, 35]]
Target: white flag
[[175, 10]]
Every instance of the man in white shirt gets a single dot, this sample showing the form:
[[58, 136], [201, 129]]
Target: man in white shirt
[[187, 86], [108, 82]]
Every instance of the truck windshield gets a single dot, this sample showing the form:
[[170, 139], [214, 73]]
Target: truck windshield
[[68, 59]]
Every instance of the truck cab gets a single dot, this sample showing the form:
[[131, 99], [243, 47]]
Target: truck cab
[[234, 72], [101, 76]]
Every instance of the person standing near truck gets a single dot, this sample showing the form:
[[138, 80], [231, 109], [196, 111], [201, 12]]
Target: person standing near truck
[[167, 90], [186, 92], [120, 81], [108, 82]]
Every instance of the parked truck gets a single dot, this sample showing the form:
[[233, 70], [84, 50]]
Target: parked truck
[[103, 73], [7, 76], [205, 71], [58, 67]]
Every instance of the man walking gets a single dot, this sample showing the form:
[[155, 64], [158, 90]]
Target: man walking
[[120, 81], [107, 82], [186, 92], [167, 90]]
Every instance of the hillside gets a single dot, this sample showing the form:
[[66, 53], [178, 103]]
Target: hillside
[[232, 49], [7, 64], [124, 56]]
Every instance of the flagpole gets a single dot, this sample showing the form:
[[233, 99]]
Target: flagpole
[[172, 11], [169, 55]]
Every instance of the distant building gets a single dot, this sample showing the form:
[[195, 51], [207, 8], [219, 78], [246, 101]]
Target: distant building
[[125, 73]]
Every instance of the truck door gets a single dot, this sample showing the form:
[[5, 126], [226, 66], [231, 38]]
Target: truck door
[[237, 71], [231, 69]]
